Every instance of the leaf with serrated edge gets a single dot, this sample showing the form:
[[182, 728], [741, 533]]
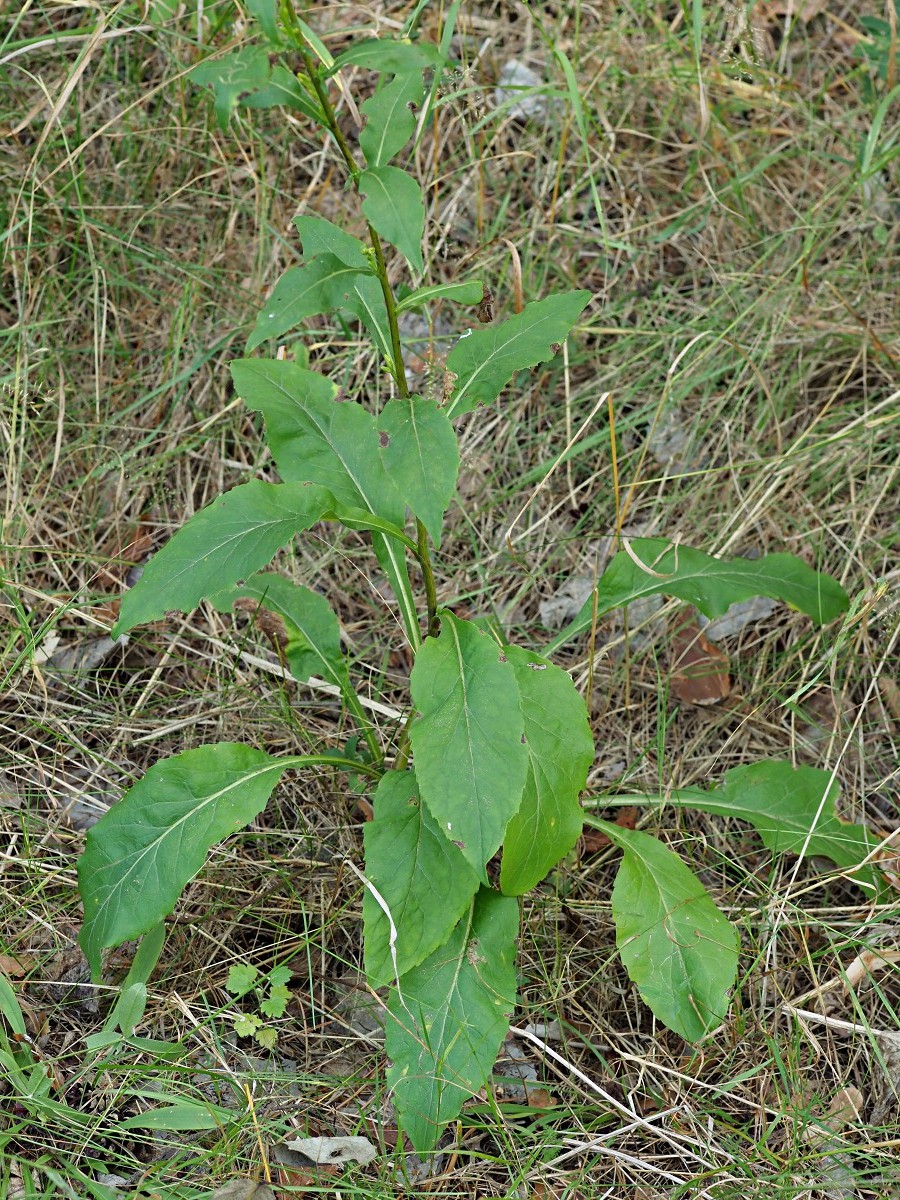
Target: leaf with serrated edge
[[790, 808], [484, 360], [390, 117], [451, 1017], [235, 536], [677, 947], [140, 854], [393, 204], [320, 286], [421, 876], [560, 753], [468, 741], [712, 584], [313, 645], [420, 450]]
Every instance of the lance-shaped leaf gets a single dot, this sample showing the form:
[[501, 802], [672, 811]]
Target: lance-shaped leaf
[[246, 77], [560, 753], [419, 449], [393, 204], [792, 809], [312, 644], [450, 1018], [656, 566], [391, 55], [390, 117], [469, 292], [677, 947], [319, 236], [266, 13], [468, 741], [320, 286], [314, 437], [140, 854], [484, 360], [230, 539], [423, 879]]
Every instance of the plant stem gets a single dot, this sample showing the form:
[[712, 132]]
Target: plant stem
[[398, 369]]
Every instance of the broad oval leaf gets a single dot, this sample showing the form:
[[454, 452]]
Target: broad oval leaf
[[420, 450], [312, 643], [712, 584], [560, 752], [393, 205], [422, 877], [484, 360], [792, 809], [468, 741], [230, 539], [140, 854], [390, 117], [320, 286], [450, 1018], [677, 947]]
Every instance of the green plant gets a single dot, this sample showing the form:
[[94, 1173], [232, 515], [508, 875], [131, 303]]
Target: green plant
[[497, 747], [270, 994]]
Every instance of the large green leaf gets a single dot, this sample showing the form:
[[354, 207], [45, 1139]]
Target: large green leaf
[[390, 117], [560, 753], [320, 286], [390, 55], [450, 1018], [421, 876], [315, 437], [319, 236], [393, 204], [140, 854], [677, 947], [420, 451], [313, 645], [792, 809], [230, 539], [468, 742], [712, 584], [483, 360]]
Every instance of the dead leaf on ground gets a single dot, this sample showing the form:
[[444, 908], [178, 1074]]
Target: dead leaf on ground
[[867, 964], [334, 1150], [242, 1189], [699, 670], [15, 968], [540, 1098]]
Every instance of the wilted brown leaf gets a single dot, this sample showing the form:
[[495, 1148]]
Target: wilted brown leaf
[[699, 670]]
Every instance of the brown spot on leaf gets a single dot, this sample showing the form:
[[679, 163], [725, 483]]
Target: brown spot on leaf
[[383, 440]]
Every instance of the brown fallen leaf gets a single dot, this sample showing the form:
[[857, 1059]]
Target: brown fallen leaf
[[540, 1098], [15, 968], [699, 668]]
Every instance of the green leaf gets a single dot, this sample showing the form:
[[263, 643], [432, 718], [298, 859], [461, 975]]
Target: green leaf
[[390, 55], [140, 854], [242, 978], [235, 536], [390, 117], [318, 237], [450, 1018], [712, 584], [285, 88], [468, 742], [677, 947], [314, 437], [421, 876], [420, 451], [276, 1001], [470, 292], [267, 1037], [233, 77], [128, 1010], [246, 1025], [279, 976], [560, 753], [792, 809], [393, 204], [320, 286], [313, 645], [265, 12], [181, 1117], [365, 300], [484, 360], [9, 1006]]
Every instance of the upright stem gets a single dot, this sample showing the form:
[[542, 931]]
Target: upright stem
[[399, 370]]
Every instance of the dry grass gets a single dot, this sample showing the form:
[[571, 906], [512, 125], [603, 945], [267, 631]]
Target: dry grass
[[744, 275]]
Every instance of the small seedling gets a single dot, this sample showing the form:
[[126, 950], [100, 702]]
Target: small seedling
[[271, 995]]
